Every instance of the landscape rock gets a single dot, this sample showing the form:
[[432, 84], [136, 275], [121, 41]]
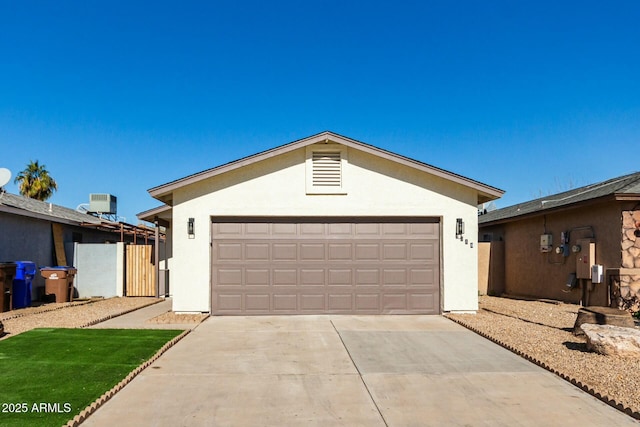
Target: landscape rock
[[602, 316], [612, 340]]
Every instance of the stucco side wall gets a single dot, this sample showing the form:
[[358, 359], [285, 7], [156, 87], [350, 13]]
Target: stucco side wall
[[528, 272], [276, 187]]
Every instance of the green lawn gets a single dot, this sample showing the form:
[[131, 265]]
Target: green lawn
[[47, 376]]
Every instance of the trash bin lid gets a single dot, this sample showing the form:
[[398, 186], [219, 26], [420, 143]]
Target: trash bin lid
[[26, 264], [28, 267]]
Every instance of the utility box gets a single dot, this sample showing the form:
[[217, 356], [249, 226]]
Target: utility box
[[546, 243], [103, 203], [585, 257], [597, 273]]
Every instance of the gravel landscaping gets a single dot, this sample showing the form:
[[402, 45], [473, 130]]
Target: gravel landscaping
[[542, 331], [77, 314]]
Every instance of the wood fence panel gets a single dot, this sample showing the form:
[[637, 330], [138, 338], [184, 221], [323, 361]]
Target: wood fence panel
[[140, 280]]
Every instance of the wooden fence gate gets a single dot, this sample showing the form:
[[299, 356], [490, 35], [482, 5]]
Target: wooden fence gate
[[140, 271]]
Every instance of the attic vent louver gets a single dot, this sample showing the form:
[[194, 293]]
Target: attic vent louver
[[327, 169]]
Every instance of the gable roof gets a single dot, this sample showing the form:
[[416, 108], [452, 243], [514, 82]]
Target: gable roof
[[164, 192], [626, 187], [25, 206]]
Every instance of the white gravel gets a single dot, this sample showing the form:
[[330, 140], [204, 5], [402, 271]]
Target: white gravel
[[543, 331], [69, 315]]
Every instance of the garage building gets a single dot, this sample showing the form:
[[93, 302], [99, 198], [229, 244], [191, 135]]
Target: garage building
[[322, 225]]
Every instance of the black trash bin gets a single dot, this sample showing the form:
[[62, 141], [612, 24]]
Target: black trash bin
[[7, 273]]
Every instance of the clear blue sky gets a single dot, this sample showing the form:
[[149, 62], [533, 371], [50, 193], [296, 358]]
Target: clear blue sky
[[121, 96]]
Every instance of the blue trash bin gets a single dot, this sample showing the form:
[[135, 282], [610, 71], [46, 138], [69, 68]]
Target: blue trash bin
[[22, 283]]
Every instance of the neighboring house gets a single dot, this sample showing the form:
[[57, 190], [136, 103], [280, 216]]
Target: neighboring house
[[44, 233], [325, 224], [548, 241]]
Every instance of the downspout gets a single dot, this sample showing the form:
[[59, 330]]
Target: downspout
[[157, 255]]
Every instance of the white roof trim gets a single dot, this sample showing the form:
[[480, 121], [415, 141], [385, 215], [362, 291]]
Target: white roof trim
[[164, 192]]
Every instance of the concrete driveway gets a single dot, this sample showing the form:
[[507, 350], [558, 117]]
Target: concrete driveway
[[347, 371]]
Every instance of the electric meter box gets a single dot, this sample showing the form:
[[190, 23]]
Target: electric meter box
[[546, 242], [585, 258], [597, 273]]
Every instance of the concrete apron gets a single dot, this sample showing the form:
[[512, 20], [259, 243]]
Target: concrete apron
[[347, 371]]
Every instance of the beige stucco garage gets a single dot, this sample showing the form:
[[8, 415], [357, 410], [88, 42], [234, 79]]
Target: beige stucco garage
[[325, 224]]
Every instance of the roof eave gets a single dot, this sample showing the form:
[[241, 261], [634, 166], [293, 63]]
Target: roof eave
[[540, 212], [627, 197], [164, 192]]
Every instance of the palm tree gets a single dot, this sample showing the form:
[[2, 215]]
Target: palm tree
[[35, 182]]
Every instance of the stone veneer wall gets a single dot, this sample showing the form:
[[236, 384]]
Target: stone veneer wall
[[626, 287]]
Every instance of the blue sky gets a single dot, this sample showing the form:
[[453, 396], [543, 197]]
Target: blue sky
[[117, 97]]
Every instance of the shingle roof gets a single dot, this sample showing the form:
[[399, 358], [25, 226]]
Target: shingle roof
[[623, 185], [46, 209]]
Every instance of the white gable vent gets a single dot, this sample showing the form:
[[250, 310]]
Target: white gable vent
[[327, 169]]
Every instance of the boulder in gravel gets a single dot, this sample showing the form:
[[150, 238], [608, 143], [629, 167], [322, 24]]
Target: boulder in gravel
[[612, 340]]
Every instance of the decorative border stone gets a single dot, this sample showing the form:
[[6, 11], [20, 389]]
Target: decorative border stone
[[122, 313], [46, 310], [95, 405], [632, 412]]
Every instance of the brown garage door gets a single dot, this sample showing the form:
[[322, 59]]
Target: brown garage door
[[317, 267]]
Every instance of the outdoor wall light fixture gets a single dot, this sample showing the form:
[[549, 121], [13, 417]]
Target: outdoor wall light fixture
[[459, 228], [191, 228]]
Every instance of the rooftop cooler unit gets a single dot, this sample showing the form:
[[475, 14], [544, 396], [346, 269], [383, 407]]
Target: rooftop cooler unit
[[103, 203]]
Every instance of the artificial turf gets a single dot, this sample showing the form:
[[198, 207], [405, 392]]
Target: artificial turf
[[47, 376]]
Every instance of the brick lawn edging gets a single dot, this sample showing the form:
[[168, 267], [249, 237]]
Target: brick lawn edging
[[94, 406], [632, 412]]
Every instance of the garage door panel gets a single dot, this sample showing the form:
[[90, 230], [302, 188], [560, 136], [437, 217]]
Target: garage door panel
[[258, 277], [367, 252], [285, 277], [340, 302], [285, 251], [422, 252], [424, 230], [394, 277], [341, 267], [257, 302], [394, 251], [421, 301], [340, 277], [312, 277], [229, 251], [394, 301], [368, 303], [228, 229], [229, 302], [312, 252], [367, 229], [340, 229], [285, 302], [312, 229], [283, 229], [367, 277], [229, 277], [257, 252], [340, 252], [313, 302], [256, 229], [394, 230]]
